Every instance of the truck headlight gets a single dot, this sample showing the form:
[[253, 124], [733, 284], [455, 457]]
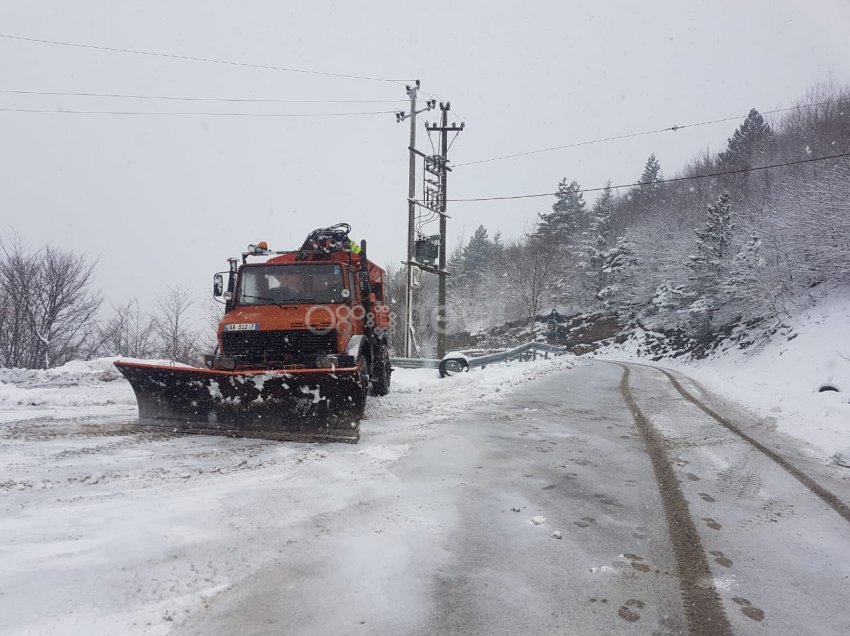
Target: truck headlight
[[328, 362]]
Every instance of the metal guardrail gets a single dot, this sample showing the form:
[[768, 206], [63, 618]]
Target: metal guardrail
[[415, 363], [529, 348]]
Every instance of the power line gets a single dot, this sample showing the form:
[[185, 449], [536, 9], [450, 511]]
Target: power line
[[632, 185], [179, 114], [674, 128], [192, 58], [207, 99]]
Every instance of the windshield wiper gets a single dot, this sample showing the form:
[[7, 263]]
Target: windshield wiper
[[271, 300], [291, 301]]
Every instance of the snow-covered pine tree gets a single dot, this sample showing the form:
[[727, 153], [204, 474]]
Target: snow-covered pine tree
[[749, 146], [596, 240], [563, 229], [708, 266], [619, 258], [647, 197], [563, 225], [715, 238], [741, 285], [469, 263], [750, 142], [668, 297], [497, 242], [473, 290], [600, 226], [651, 172], [617, 268], [476, 255]]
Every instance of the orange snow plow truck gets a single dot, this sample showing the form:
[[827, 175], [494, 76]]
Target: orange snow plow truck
[[302, 342]]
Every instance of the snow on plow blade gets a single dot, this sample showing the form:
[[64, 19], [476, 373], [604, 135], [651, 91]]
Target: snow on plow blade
[[300, 405]]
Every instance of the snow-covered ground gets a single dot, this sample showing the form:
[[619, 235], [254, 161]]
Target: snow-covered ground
[[106, 529], [781, 380]]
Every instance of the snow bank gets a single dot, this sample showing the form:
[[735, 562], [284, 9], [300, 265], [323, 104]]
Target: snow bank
[[72, 373], [782, 380], [415, 392], [76, 384]]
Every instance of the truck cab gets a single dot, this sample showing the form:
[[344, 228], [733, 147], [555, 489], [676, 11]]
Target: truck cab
[[306, 309]]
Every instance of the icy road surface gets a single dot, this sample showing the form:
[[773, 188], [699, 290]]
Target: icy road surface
[[532, 499]]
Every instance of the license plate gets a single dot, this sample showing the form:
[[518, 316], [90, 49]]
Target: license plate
[[243, 326]]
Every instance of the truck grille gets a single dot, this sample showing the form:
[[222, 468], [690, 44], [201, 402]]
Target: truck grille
[[263, 346]]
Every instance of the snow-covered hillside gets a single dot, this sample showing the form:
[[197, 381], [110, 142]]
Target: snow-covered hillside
[[788, 379]]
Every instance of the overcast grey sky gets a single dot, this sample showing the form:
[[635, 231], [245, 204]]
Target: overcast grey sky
[[163, 200]]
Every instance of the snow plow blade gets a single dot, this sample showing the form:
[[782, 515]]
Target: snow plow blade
[[309, 405]]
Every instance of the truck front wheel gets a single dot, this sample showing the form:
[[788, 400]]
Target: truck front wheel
[[381, 371], [362, 388]]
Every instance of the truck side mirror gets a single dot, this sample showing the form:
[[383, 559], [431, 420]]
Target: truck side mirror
[[218, 285]]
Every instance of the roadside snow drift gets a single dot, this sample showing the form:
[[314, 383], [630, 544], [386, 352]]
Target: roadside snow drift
[[782, 380]]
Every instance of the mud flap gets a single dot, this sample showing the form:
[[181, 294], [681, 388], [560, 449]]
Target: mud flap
[[301, 405]]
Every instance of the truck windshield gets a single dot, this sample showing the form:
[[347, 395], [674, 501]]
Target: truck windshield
[[290, 283]]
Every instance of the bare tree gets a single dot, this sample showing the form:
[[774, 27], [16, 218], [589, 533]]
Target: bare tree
[[530, 268], [178, 341], [17, 271], [63, 308], [213, 312], [394, 293], [49, 307], [424, 310], [815, 224], [129, 332]]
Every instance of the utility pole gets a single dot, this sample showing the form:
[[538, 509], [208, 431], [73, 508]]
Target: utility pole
[[400, 116], [411, 222], [444, 129]]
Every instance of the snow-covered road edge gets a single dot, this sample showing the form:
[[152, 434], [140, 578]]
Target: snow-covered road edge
[[781, 381]]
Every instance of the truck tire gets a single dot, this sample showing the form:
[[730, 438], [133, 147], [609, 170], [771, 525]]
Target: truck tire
[[381, 371], [363, 389]]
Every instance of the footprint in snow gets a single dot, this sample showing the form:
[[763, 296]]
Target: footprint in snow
[[721, 558], [748, 610], [711, 523], [628, 610]]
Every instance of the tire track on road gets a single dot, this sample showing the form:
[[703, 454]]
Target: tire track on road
[[825, 495], [702, 604]]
